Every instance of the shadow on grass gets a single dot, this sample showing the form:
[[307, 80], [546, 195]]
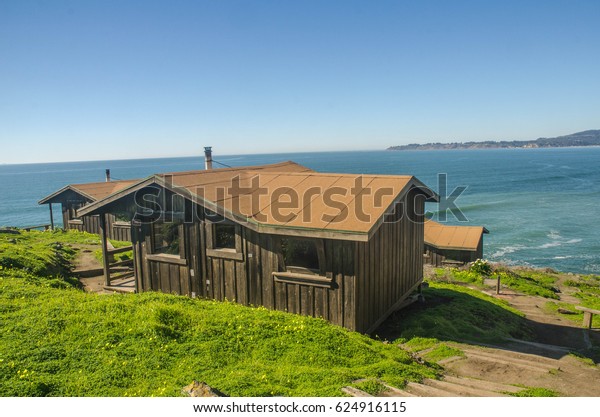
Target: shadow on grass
[[452, 313]]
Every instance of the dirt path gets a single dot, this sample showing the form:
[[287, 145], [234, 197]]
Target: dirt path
[[545, 363], [550, 328], [86, 261]]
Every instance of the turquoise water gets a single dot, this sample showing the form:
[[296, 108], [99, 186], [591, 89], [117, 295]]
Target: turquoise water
[[542, 206]]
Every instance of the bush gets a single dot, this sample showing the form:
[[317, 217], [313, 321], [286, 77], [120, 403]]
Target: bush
[[481, 267]]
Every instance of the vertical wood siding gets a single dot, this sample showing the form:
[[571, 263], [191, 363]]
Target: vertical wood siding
[[367, 278], [390, 264]]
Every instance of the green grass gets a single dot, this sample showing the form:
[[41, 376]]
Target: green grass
[[371, 386], [119, 256], [455, 313], [42, 253], [589, 294], [455, 275], [534, 392], [442, 351], [64, 342], [531, 282], [417, 344], [435, 350], [528, 282], [583, 359], [589, 290]]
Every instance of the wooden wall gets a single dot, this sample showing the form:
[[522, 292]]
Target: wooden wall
[[390, 265], [439, 257], [249, 281], [91, 224], [365, 280]]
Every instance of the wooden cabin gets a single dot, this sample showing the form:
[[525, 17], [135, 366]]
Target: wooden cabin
[[452, 245], [345, 247], [75, 196]]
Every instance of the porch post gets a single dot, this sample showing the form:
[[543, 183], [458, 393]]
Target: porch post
[[105, 260], [51, 217]]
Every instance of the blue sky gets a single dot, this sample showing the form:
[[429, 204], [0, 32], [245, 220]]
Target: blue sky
[[89, 80]]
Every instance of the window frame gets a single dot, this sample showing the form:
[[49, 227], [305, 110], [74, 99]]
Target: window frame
[[72, 207], [154, 255], [212, 251], [291, 274]]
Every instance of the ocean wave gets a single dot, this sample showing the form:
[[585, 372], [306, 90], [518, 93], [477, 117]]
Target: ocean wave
[[556, 242], [548, 245], [506, 250]]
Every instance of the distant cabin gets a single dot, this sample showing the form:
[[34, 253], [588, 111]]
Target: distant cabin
[[345, 247], [75, 196], [452, 245]]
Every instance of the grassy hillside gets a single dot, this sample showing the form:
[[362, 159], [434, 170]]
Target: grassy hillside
[[64, 342], [456, 313]]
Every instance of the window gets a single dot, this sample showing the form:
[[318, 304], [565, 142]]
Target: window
[[73, 207], [166, 238], [122, 217], [300, 254], [302, 261], [224, 240], [224, 236]]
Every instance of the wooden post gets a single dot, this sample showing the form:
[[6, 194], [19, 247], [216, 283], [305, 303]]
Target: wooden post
[[51, 217], [498, 285], [105, 260], [587, 319]]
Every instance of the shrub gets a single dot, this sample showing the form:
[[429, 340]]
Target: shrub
[[481, 267]]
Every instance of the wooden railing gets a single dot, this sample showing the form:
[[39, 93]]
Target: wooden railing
[[39, 226], [588, 314], [111, 252]]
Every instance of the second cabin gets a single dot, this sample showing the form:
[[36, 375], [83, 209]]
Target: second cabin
[[452, 245], [345, 247]]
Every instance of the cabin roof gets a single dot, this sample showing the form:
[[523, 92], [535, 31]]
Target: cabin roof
[[286, 198], [92, 191], [453, 237]]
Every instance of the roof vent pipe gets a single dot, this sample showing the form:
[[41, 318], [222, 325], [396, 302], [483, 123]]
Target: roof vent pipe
[[108, 175], [208, 157]]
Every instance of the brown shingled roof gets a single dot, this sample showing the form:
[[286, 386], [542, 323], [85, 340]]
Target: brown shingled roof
[[95, 191], [308, 194], [286, 196], [452, 237], [92, 191]]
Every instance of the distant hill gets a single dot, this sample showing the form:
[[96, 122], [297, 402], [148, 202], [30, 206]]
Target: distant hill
[[585, 138]]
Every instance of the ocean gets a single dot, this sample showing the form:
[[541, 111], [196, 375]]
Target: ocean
[[541, 206]]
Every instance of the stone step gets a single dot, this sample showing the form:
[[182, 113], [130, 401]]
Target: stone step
[[395, 392], [355, 392], [542, 345], [481, 384], [450, 360], [421, 390], [459, 390], [510, 362], [534, 363]]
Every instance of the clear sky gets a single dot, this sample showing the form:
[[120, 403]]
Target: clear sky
[[88, 80]]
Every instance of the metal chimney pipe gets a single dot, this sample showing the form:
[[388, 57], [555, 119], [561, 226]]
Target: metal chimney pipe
[[208, 157], [108, 175]]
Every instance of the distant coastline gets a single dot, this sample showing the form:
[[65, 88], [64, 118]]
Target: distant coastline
[[579, 139]]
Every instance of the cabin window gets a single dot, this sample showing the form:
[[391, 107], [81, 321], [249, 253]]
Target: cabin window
[[166, 238], [73, 207], [302, 262], [224, 236], [122, 218], [301, 255], [224, 240]]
